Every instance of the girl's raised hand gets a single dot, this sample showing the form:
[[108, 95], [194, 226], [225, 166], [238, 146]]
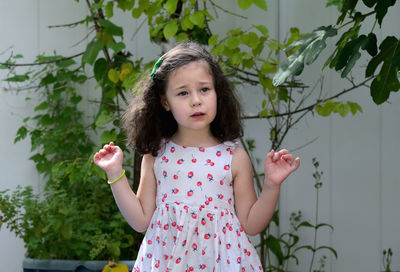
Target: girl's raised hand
[[278, 166], [109, 158]]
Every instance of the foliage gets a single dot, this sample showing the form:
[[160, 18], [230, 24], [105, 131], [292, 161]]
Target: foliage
[[285, 247], [75, 217], [63, 142], [349, 48], [387, 259]]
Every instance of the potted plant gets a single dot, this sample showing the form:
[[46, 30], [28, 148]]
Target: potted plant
[[75, 216]]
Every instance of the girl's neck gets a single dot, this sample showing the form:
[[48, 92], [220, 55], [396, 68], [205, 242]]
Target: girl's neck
[[194, 138]]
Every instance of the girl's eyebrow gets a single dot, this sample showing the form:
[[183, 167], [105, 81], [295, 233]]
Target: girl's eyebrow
[[199, 83]]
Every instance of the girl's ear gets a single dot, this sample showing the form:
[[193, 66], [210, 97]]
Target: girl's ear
[[164, 103]]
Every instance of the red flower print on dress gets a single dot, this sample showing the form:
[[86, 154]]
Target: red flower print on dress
[[164, 159], [180, 161], [209, 162], [190, 192], [202, 149], [172, 149], [210, 177], [227, 167], [190, 174], [218, 153]]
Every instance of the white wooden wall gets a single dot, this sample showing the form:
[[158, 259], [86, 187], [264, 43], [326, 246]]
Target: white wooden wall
[[358, 154]]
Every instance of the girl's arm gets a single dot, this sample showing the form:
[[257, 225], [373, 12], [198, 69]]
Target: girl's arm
[[255, 214], [137, 209]]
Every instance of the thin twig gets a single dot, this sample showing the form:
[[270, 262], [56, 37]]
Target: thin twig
[[68, 25], [41, 63], [310, 107], [227, 11]]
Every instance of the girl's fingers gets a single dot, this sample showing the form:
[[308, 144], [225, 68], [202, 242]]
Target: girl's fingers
[[297, 164], [270, 155], [288, 158]]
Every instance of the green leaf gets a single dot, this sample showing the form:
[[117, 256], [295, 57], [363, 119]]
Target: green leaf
[[213, 40], [250, 39], [283, 94], [76, 99], [305, 247], [324, 225], [197, 18], [116, 47], [2, 66], [104, 117], [354, 107], [137, 12], [233, 42], [170, 6], [305, 224], [350, 54], [329, 248], [66, 231], [17, 78], [369, 3], [170, 30], [186, 23], [263, 29], [65, 63], [108, 136], [275, 247], [109, 9], [381, 9], [262, 4], [92, 50], [96, 6], [100, 68], [126, 4], [21, 134], [387, 80], [245, 4], [311, 46], [111, 28], [113, 75], [182, 37], [371, 44], [42, 106], [350, 64]]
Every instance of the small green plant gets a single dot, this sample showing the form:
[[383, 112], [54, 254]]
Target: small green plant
[[387, 259], [286, 246]]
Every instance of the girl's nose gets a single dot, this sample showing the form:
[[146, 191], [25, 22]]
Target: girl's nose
[[196, 100]]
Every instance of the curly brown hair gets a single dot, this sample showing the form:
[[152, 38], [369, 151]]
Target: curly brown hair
[[146, 122]]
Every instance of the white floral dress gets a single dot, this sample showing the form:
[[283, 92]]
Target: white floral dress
[[194, 226]]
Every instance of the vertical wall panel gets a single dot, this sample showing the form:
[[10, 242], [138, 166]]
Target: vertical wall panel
[[18, 21], [358, 154]]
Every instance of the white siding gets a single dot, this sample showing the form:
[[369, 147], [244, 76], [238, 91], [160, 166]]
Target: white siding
[[358, 154]]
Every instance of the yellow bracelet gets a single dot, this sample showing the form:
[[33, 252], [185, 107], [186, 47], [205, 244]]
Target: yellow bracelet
[[115, 180]]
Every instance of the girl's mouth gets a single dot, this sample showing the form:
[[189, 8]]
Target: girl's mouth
[[197, 115]]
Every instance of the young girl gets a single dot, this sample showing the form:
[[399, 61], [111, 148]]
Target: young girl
[[196, 197]]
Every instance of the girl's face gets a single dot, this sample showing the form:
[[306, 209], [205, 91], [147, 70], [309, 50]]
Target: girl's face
[[191, 97]]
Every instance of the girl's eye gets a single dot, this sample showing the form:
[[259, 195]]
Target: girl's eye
[[204, 90], [183, 93]]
